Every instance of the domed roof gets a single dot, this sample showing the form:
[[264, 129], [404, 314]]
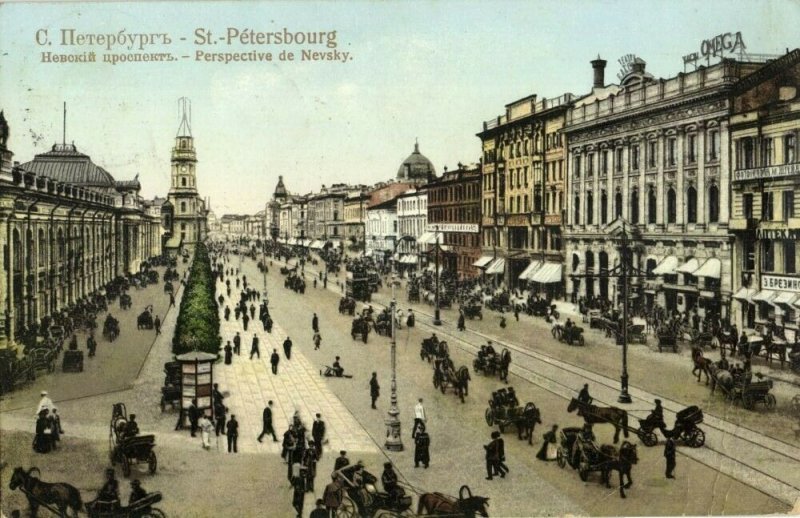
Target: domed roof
[[416, 166], [66, 164]]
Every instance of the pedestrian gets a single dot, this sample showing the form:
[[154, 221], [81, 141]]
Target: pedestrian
[[411, 319], [461, 322], [233, 434], [317, 340], [419, 416], [422, 443], [315, 323], [254, 347], [237, 344], [205, 426], [266, 421], [287, 348], [501, 454], [171, 300], [228, 353], [503, 322], [333, 495], [319, 511], [157, 325], [516, 312], [493, 462], [341, 461], [91, 345], [227, 313], [669, 454], [216, 395], [546, 449], [298, 487], [252, 310], [274, 359], [287, 446], [318, 434], [219, 412], [374, 389], [245, 320], [194, 416]]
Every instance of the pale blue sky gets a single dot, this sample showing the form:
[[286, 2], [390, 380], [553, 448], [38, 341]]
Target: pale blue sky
[[432, 70]]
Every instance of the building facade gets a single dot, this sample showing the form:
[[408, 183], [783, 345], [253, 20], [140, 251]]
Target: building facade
[[382, 231], [355, 209], [454, 216]]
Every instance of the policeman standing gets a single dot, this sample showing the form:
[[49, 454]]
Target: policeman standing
[[669, 454], [374, 388], [422, 443]]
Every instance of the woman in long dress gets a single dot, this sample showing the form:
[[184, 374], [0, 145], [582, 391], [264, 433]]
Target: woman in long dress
[[549, 447]]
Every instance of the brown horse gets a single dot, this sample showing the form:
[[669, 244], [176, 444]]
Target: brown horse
[[59, 495], [594, 414], [701, 364], [467, 506], [620, 461]]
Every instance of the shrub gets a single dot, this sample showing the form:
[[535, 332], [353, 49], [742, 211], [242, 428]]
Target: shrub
[[198, 320]]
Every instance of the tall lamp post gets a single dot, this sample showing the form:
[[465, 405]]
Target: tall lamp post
[[437, 321], [624, 396]]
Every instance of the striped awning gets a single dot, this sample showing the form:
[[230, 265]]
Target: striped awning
[[690, 266], [528, 272], [764, 296], [711, 268], [549, 273], [745, 294], [667, 266], [786, 298], [483, 261], [498, 266], [316, 244]]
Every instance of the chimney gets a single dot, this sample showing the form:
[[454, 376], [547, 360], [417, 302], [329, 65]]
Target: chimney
[[599, 66]]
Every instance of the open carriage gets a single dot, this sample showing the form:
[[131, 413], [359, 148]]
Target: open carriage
[[129, 449]]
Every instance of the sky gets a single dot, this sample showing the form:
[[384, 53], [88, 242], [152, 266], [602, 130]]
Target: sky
[[426, 70]]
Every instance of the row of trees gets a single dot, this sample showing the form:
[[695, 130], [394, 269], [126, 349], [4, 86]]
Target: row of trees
[[198, 319]]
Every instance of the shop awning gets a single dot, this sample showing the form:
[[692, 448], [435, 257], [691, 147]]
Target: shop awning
[[745, 294], [429, 238], [304, 242], [711, 268], [316, 244], [764, 296], [409, 259], [396, 256], [667, 266], [786, 298], [528, 272], [548, 273], [689, 266], [483, 261], [498, 266]]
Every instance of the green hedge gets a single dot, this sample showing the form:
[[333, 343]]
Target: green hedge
[[198, 321]]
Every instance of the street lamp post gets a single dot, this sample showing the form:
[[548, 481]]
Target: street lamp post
[[393, 440], [624, 396], [437, 321]]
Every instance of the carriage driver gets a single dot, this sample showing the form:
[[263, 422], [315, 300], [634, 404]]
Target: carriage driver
[[389, 481], [583, 395], [511, 398], [108, 496], [489, 349], [656, 417], [338, 370], [137, 492]]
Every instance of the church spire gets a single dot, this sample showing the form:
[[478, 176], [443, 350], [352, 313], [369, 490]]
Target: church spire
[[185, 107]]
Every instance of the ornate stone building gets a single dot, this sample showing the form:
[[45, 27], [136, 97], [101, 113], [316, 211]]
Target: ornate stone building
[[68, 228]]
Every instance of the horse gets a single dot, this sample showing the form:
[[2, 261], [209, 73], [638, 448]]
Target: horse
[[468, 507], [526, 420], [721, 377], [594, 414], [619, 461], [60, 495], [701, 364], [461, 381]]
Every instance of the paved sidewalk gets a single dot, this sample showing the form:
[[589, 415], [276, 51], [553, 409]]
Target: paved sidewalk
[[297, 387]]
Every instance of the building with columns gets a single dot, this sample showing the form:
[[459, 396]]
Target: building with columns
[[68, 229], [653, 154]]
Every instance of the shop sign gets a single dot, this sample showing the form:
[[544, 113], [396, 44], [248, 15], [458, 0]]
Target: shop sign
[[552, 219], [454, 227], [780, 283], [778, 233], [718, 46], [774, 171]]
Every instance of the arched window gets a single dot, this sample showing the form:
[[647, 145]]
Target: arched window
[[651, 205], [618, 205], [672, 207], [589, 208], [713, 204], [691, 205], [42, 248], [635, 206], [577, 210], [183, 206], [183, 181], [603, 207]]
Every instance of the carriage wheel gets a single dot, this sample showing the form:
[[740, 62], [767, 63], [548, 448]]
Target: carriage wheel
[[126, 466], [152, 462], [748, 401], [769, 401], [649, 439], [489, 415], [696, 438], [347, 509]]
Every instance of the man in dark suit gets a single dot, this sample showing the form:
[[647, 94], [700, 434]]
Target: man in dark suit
[[318, 433], [315, 323], [274, 359], [233, 434], [254, 348], [287, 348], [669, 454], [194, 416], [374, 388], [237, 344], [341, 461], [266, 419]]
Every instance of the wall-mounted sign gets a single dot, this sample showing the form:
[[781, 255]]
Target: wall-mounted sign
[[454, 227], [718, 46], [625, 65], [773, 171], [777, 233], [780, 283]]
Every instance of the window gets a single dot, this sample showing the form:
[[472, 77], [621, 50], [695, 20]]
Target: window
[[713, 145], [577, 210], [589, 208], [576, 163], [618, 205], [788, 205], [651, 153], [672, 146], [526, 203], [672, 206], [748, 255], [713, 204], [590, 164], [789, 263], [183, 206], [746, 153], [604, 162], [747, 205], [618, 160], [635, 206], [691, 205], [603, 207], [183, 182], [537, 202], [767, 255], [635, 158], [767, 206], [788, 149], [766, 152], [691, 144], [651, 205]]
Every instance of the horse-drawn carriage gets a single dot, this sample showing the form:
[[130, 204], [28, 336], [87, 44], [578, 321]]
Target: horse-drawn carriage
[[360, 327], [142, 508], [110, 328], [667, 338], [686, 428], [472, 311], [144, 320], [570, 335], [383, 323], [433, 348], [446, 375], [43, 357], [125, 301], [128, 449], [754, 392], [504, 416], [490, 364], [171, 391], [347, 305], [14, 371], [413, 292]]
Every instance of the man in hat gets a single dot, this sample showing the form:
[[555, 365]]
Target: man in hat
[[137, 492], [274, 360], [341, 461], [669, 455], [237, 344], [338, 370], [333, 495], [422, 443], [254, 348], [287, 348], [389, 481], [320, 511], [374, 389], [233, 434], [315, 323], [419, 415], [583, 395], [131, 427], [318, 434], [108, 496], [266, 422]]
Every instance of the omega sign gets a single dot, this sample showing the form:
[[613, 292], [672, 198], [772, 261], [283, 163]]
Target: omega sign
[[719, 45], [780, 283]]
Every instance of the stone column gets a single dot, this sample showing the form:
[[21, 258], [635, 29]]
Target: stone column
[[643, 158], [626, 179], [724, 173], [596, 188], [702, 214], [659, 189], [582, 192], [6, 309], [679, 175], [610, 186]]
